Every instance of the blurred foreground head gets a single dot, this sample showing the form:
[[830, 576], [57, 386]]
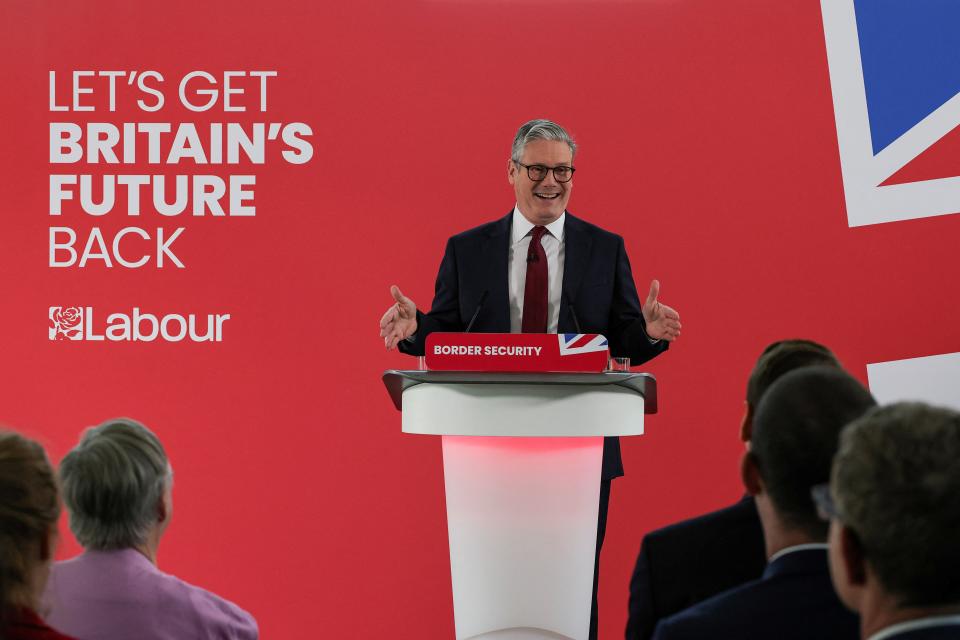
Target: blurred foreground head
[[29, 508], [895, 507]]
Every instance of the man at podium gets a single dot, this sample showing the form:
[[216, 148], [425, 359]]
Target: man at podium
[[539, 269]]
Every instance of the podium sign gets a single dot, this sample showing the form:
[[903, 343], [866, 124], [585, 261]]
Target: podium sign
[[530, 352]]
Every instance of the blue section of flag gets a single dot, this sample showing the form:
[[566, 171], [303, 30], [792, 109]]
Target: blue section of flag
[[910, 50]]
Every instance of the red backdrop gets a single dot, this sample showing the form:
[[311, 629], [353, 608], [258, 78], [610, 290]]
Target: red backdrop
[[707, 140]]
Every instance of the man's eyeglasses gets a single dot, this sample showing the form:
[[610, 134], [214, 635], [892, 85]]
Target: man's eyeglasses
[[826, 508], [538, 172]]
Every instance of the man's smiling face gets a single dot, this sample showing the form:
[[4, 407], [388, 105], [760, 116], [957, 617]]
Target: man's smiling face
[[544, 201]]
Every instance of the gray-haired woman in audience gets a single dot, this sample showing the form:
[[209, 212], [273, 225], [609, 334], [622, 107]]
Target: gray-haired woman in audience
[[117, 486]]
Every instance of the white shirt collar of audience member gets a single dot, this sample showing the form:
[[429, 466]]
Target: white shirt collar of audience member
[[913, 625], [798, 547]]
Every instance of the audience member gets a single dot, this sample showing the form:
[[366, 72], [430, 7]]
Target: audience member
[[687, 562], [795, 433], [29, 508], [117, 486], [894, 541]]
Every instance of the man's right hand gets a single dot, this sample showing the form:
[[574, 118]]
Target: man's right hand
[[400, 320]]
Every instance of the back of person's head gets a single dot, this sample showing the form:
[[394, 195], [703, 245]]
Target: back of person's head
[[795, 436], [112, 482], [776, 360], [896, 487], [29, 508]]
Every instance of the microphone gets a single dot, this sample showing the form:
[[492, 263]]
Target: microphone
[[573, 312], [532, 257], [483, 298]]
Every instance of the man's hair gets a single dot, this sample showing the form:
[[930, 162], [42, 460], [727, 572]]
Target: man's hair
[[29, 508], [112, 481], [896, 486], [795, 434], [783, 356], [539, 130]]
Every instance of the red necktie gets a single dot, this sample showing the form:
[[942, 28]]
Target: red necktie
[[534, 319]]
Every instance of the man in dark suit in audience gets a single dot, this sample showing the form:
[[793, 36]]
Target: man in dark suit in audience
[[894, 503], [687, 562], [795, 434]]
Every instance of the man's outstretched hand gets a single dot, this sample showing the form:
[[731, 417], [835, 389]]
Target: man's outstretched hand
[[400, 320], [663, 323]]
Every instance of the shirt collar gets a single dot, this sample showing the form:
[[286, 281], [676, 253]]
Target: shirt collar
[[797, 547], [913, 625], [521, 226], [127, 555]]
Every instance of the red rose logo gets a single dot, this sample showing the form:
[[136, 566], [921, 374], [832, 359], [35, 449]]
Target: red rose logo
[[66, 323], [67, 318]]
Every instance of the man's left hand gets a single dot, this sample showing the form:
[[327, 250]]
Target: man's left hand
[[663, 323]]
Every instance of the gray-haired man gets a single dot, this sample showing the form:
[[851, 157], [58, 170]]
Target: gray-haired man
[[117, 486], [895, 505], [539, 269]]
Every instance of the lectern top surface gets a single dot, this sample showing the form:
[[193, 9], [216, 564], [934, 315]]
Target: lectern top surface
[[397, 381]]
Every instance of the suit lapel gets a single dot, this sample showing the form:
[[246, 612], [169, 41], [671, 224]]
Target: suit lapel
[[577, 244], [494, 256]]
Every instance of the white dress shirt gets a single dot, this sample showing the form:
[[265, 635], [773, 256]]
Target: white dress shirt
[[553, 245]]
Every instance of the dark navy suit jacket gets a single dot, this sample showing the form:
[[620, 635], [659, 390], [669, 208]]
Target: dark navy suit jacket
[[794, 600], [597, 284], [690, 561]]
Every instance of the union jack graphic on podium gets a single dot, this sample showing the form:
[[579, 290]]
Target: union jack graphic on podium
[[895, 74], [574, 343]]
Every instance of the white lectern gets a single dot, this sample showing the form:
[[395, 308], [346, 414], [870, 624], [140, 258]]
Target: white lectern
[[522, 509]]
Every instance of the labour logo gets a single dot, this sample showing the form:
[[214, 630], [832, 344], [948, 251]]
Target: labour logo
[[895, 75], [66, 323]]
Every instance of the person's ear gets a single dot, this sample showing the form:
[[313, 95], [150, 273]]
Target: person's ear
[[162, 513], [750, 474], [746, 423], [48, 543], [854, 562], [511, 171]]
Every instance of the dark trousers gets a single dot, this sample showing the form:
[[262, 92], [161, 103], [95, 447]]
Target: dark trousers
[[601, 530]]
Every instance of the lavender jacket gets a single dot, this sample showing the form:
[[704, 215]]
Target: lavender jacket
[[119, 595]]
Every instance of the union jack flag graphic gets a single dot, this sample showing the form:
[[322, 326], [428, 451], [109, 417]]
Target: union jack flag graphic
[[896, 93], [574, 343]]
